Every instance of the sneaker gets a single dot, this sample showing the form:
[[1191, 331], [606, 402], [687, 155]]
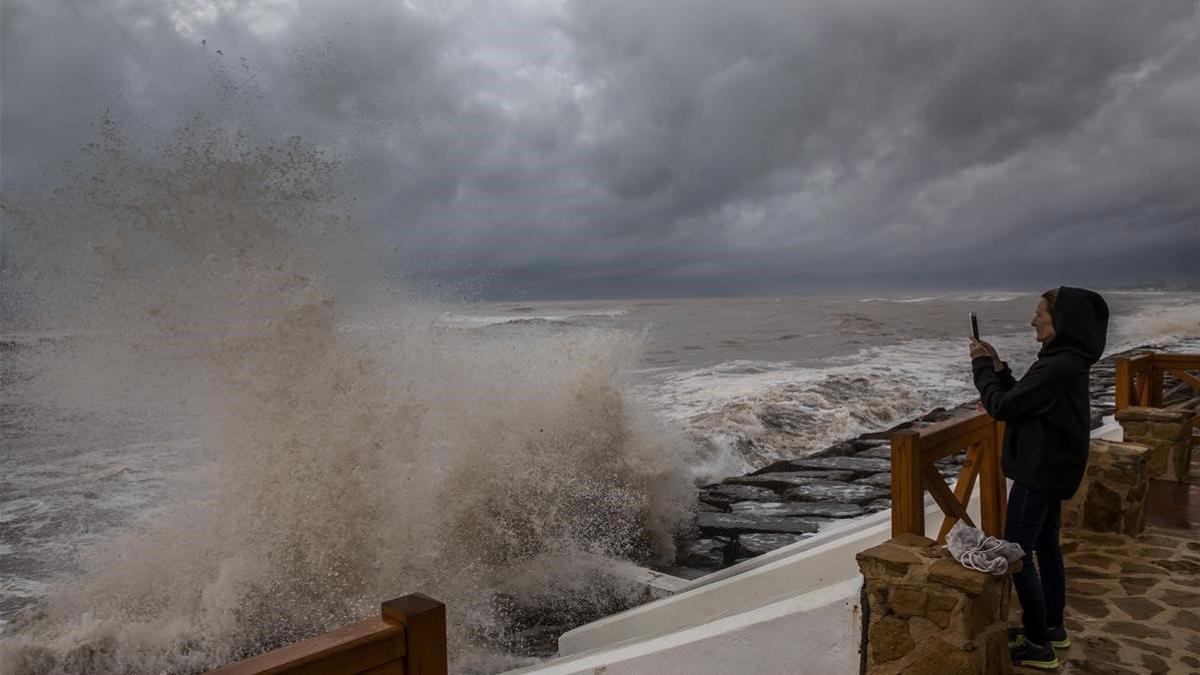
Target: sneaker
[[1058, 637], [1033, 656], [1016, 636]]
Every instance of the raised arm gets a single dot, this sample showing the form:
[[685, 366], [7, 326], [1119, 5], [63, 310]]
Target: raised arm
[[1031, 396]]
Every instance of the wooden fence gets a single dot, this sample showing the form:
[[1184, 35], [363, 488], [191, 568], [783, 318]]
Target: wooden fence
[[1139, 380], [407, 638], [913, 472]]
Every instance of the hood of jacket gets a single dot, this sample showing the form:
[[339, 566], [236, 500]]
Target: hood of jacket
[[1080, 320]]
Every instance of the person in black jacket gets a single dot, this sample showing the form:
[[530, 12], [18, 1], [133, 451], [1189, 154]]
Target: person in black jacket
[[1047, 431]]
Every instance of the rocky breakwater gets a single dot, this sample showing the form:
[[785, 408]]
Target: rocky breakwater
[[789, 500], [786, 501]]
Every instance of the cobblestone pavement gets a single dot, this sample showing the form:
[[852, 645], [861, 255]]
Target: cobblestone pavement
[[1133, 604]]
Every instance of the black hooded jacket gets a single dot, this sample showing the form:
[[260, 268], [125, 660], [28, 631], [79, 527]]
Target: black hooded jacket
[[1047, 412]]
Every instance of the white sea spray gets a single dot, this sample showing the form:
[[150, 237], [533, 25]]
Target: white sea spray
[[212, 281]]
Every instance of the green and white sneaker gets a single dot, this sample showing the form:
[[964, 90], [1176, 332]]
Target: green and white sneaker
[[1058, 637], [1030, 655]]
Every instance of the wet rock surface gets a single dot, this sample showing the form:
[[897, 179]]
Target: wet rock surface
[[710, 553], [750, 545], [784, 480], [834, 491], [724, 494], [783, 509], [736, 523], [880, 480], [856, 464]]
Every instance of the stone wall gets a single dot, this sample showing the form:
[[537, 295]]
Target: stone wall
[[929, 614], [1112, 496], [1167, 432]]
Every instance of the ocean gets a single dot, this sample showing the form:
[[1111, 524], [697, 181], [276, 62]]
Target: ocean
[[224, 429], [837, 366], [95, 470]]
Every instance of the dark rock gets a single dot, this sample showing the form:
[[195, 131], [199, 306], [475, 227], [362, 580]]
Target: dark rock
[[788, 509], [938, 414], [783, 480], [734, 523], [879, 505], [855, 464], [684, 571], [786, 466], [861, 444], [723, 494], [887, 433], [711, 508], [878, 452], [708, 553], [879, 480], [836, 450], [750, 545], [835, 491]]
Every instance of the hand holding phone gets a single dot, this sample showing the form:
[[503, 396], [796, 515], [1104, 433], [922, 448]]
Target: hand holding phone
[[981, 348]]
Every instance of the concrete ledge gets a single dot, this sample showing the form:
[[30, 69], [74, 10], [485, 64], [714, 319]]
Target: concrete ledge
[[816, 632]]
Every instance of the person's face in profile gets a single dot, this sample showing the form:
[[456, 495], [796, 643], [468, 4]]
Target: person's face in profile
[[1042, 322]]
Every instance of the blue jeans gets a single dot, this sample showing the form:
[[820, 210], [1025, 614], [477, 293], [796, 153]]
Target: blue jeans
[[1033, 521]]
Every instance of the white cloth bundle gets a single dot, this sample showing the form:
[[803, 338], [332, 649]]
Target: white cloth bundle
[[973, 549]]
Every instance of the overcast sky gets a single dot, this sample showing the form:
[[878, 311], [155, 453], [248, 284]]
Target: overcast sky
[[606, 148]]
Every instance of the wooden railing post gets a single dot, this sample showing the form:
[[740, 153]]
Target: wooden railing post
[[993, 497], [1124, 383], [1156, 385], [908, 494], [424, 621]]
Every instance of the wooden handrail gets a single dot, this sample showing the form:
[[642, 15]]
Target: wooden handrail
[[913, 472], [1139, 380], [407, 638]]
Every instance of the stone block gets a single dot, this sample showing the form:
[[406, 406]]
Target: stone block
[[911, 540], [1141, 414], [947, 571], [996, 657], [1135, 430], [939, 606], [982, 612], [877, 594], [929, 614], [1166, 431], [936, 657], [908, 601], [1112, 496], [1159, 458], [885, 560], [890, 639]]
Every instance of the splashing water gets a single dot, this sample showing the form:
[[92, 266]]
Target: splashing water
[[351, 448]]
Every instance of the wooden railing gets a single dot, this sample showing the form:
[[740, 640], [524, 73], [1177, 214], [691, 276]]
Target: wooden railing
[[407, 638], [913, 472], [1139, 380]]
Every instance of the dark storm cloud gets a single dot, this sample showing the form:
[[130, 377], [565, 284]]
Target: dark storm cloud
[[595, 148]]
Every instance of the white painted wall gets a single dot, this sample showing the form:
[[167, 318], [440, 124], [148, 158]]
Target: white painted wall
[[816, 633]]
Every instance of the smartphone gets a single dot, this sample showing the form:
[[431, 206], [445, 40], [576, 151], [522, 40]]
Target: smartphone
[[974, 326]]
